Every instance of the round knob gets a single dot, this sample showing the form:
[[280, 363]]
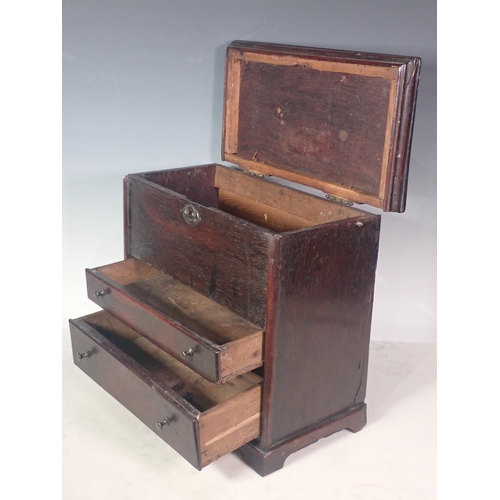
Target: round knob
[[100, 293], [187, 352], [84, 355], [191, 215], [160, 425]]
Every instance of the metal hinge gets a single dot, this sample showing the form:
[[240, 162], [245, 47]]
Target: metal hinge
[[330, 197], [251, 172]]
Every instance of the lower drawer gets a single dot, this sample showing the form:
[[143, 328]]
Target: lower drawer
[[201, 420]]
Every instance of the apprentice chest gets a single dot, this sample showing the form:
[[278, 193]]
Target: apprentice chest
[[240, 317]]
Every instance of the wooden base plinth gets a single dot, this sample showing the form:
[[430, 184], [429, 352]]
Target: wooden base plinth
[[267, 460]]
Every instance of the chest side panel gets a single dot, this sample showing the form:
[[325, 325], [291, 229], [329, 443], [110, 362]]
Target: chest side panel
[[223, 258], [319, 333]]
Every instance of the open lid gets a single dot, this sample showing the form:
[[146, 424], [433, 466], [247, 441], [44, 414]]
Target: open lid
[[333, 120]]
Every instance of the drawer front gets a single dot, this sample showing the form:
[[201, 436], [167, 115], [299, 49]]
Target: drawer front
[[134, 388], [222, 257], [169, 337]]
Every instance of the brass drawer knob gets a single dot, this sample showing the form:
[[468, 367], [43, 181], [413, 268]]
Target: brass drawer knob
[[187, 352], [191, 215], [165, 421], [100, 293], [84, 355]]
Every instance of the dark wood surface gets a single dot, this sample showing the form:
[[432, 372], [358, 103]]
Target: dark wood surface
[[206, 420], [298, 267], [319, 292], [318, 330], [396, 202], [316, 284], [321, 53], [326, 125], [268, 460], [196, 183], [223, 257], [334, 120], [173, 316], [136, 389], [154, 325]]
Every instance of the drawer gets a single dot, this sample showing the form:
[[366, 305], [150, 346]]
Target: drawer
[[210, 339], [200, 420]]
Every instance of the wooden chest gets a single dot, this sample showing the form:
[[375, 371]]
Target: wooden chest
[[240, 317]]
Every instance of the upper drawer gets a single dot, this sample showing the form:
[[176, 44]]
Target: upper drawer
[[200, 420], [197, 331]]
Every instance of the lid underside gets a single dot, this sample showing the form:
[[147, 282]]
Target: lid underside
[[333, 120]]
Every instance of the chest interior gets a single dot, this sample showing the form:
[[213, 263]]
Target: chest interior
[[262, 202]]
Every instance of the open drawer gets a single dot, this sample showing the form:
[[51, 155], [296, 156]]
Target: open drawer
[[194, 329], [202, 421]]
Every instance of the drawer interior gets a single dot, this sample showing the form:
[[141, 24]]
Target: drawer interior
[[229, 414], [176, 317], [200, 393], [187, 308], [267, 204]]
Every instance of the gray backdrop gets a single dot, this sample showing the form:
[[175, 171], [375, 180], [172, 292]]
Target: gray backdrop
[[143, 88]]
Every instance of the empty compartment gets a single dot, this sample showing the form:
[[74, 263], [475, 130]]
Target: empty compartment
[[272, 206]]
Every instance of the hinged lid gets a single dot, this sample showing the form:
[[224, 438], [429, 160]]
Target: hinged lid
[[333, 120]]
